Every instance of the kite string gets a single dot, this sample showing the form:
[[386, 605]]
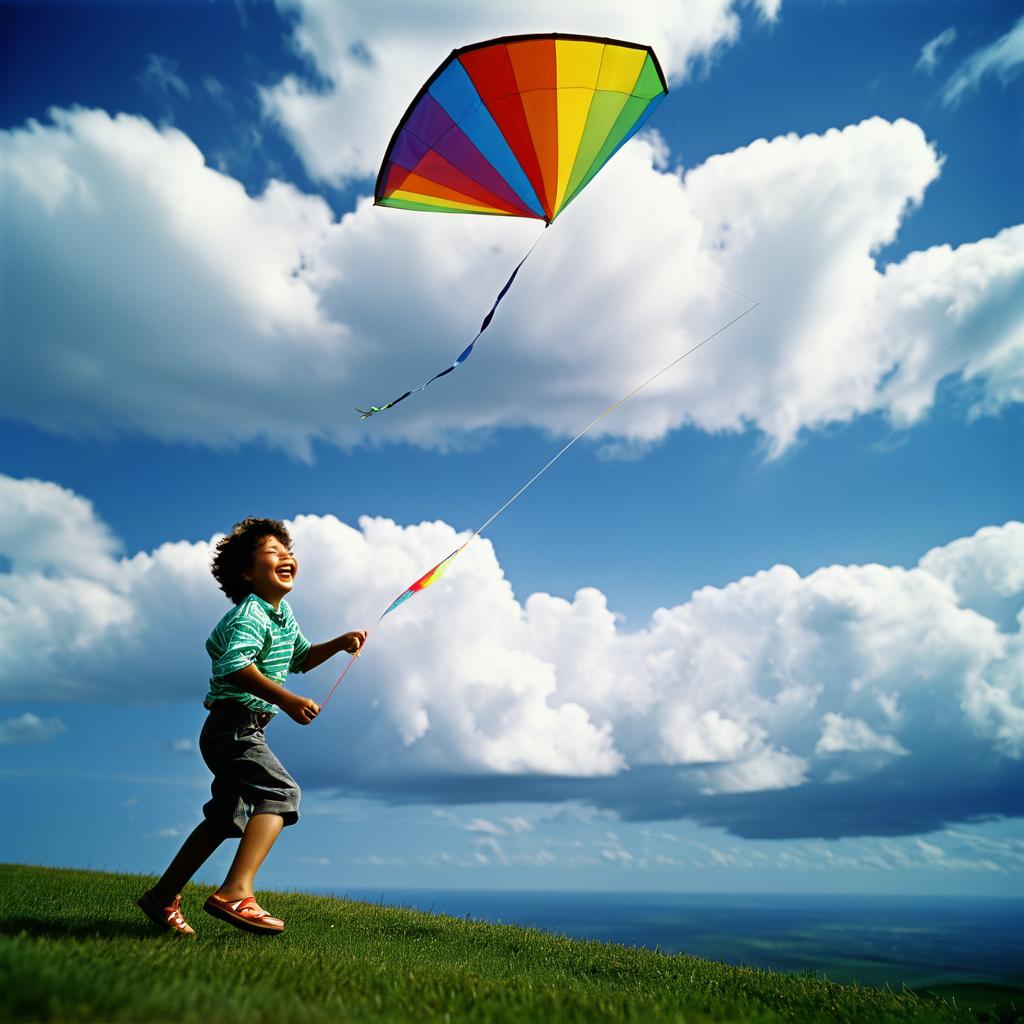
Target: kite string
[[609, 410], [351, 662], [754, 303]]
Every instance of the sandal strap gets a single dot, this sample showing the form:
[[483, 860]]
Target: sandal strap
[[250, 908], [170, 912], [246, 906]]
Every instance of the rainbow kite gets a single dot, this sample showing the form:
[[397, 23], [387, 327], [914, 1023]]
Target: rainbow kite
[[516, 127]]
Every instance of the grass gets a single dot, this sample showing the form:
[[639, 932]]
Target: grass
[[73, 947]]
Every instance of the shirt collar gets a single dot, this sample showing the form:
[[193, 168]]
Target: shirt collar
[[277, 616]]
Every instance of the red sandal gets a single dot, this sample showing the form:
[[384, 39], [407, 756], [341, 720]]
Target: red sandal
[[245, 913], [167, 917]]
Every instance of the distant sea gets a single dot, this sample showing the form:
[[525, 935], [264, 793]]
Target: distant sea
[[922, 942]]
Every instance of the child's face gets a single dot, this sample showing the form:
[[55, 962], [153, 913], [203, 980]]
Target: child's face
[[272, 574]]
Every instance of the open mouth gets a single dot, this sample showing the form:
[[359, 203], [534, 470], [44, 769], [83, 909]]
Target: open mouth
[[285, 573]]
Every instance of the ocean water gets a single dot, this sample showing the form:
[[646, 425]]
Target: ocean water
[[917, 941]]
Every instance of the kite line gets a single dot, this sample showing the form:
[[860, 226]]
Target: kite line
[[434, 574]]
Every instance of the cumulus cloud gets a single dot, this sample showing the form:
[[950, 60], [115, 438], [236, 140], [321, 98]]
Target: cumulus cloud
[[841, 735], [170, 276], [951, 311], [1002, 58], [931, 52], [370, 60], [195, 311], [46, 529], [29, 728], [986, 571], [853, 700]]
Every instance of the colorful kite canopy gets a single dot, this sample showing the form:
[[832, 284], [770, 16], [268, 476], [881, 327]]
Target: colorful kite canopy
[[518, 126]]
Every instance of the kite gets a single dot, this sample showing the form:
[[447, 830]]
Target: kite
[[516, 127]]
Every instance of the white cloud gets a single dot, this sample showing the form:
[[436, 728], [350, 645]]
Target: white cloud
[[29, 728], [864, 689], [170, 832], [931, 52], [372, 59], [45, 528], [1002, 58], [180, 293], [852, 735], [986, 571], [949, 311], [518, 824], [1007, 850], [667, 836], [194, 311], [485, 826], [912, 854], [488, 850]]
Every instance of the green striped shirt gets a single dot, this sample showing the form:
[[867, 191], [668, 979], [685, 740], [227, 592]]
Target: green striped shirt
[[252, 633]]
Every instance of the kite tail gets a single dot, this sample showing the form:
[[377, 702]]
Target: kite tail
[[365, 414]]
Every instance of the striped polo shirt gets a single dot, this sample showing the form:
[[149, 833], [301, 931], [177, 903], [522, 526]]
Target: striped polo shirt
[[252, 633]]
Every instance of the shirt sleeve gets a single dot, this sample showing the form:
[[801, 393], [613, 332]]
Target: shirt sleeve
[[299, 652], [242, 647]]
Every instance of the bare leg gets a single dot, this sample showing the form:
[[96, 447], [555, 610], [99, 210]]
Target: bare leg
[[194, 852], [260, 833]]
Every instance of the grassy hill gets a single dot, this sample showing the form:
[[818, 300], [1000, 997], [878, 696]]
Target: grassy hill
[[73, 947]]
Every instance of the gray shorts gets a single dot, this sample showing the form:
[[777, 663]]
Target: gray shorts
[[247, 778]]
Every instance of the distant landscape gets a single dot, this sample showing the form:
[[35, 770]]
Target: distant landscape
[[917, 941]]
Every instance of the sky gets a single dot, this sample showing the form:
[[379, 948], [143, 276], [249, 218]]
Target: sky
[[760, 631]]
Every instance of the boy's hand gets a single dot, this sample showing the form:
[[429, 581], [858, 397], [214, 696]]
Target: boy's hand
[[319, 653], [301, 709], [354, 641]]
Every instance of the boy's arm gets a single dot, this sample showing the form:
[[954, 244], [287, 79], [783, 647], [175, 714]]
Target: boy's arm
[[301, 709], [319, 653]]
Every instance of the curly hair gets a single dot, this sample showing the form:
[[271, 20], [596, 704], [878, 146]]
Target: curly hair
[[234, 553]]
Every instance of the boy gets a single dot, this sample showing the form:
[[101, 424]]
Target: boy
[[253, 648]]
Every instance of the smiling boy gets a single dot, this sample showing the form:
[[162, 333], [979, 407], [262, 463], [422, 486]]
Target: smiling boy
[[253, 649]]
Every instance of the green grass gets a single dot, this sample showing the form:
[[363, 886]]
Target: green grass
[[73, 947]]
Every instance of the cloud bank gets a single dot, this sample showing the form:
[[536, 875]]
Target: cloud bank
[[854, 700], [193, 311]]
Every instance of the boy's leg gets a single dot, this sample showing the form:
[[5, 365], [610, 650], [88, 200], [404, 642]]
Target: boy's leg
[[261, 831], [194, 852]]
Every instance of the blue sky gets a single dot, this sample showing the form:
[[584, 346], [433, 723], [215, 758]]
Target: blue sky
[[194, 299]]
